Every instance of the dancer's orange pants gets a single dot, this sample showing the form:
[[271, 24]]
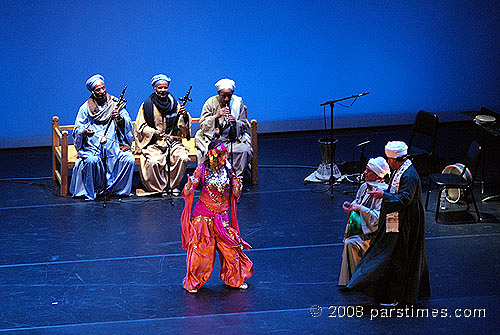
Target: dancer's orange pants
[[236, 267]]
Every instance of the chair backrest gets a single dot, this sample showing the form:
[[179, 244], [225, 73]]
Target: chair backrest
[[425, 124], [473, 158]]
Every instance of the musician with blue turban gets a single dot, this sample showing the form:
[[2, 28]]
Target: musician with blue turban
[[102, 136], [160, 126]]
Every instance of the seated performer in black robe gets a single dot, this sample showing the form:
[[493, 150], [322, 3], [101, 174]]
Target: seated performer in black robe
[[394, 269]]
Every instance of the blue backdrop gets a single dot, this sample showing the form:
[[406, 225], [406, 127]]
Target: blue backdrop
[[286, 57]]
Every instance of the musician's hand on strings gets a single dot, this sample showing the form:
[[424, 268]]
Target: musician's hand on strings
[[182, 110], [116, 114], [89, 132], [376, 192], [121, 105], [159, 134]]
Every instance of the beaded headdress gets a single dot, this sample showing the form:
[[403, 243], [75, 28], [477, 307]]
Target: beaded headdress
[[215, 152]]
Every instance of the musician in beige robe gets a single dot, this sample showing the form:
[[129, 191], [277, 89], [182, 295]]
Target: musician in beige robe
[[161, 123], [368, 208], [224, 116]]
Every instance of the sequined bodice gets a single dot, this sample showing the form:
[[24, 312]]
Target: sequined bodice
[[217, 184]]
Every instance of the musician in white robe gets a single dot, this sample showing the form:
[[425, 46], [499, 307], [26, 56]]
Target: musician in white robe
[[160, 126], [224, 116], [364, 211], [102, 136]]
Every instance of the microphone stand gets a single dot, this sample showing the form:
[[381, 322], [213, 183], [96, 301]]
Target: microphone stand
[[358, 180], [168, 190], [232, 138], [104, 161], [331, 181], [103, 141]]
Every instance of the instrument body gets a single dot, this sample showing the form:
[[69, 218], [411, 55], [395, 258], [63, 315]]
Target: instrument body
[[104, 137]]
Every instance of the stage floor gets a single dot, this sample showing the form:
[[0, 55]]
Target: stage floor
[[71, 266]]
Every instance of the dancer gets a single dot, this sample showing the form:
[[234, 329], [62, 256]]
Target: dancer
[[210, 228]]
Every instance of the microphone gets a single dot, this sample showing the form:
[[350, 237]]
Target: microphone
[[351, 97]]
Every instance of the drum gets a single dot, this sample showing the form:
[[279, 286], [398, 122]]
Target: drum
[[453, 195], [324, 171], [327, 152], [484, 119]]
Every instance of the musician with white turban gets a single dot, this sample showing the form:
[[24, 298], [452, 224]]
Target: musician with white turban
[[394, 269], [160, 126], [224, 116], [364, 214], [102, 136]]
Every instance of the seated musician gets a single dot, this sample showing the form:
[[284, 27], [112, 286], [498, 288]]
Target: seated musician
[[364, 214], [159, 128], [224, 117], [103, 134]]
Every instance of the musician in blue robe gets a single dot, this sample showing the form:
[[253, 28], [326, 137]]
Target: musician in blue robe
[[102, 136]]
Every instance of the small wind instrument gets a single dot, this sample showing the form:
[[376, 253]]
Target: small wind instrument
[[232, 126]]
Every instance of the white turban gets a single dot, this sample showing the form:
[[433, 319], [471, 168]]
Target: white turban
[[93, 81], [159, 77], [395, 149], [379, 166], [225, 83]]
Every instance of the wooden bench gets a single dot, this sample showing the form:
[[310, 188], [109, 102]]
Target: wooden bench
[[65, 155]]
